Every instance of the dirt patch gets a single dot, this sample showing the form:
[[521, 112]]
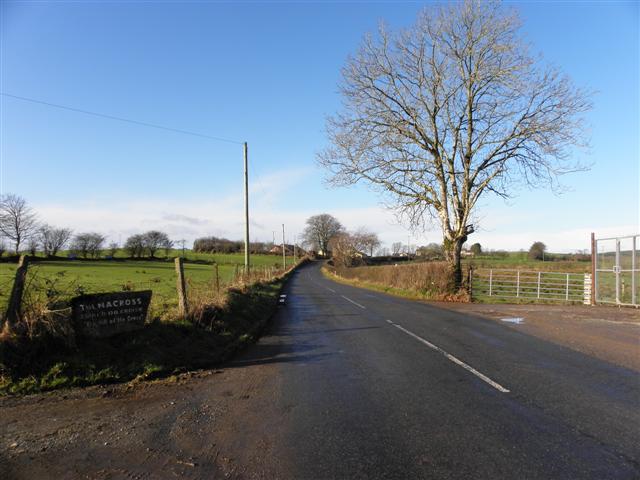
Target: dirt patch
[[181, 427], [608, 333]]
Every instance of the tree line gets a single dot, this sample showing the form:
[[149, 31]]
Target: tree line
[[224, 245], [19, 224]]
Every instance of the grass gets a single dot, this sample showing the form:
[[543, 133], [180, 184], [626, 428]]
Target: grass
[[398, 292], [521, 261], [74, 277], [161, 348], [419, 280]]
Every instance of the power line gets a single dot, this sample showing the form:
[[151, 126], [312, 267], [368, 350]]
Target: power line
[[121, 119]]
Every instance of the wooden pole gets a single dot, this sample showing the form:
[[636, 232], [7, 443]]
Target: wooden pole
[[217, 278], [15, 300], [182, 288], [246, 209], [284, 256]]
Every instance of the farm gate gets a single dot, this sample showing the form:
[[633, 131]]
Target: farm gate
[[531, 286], [616, 270]]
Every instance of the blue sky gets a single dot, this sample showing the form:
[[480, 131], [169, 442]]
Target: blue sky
[[267, 73]]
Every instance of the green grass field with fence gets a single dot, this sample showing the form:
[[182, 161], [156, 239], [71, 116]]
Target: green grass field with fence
[[61, 279]]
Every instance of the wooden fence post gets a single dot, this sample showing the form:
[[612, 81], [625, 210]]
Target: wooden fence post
[[217, 278], [182, 289], [15, 300]]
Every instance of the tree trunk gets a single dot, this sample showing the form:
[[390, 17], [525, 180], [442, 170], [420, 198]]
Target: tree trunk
[[454, 256]]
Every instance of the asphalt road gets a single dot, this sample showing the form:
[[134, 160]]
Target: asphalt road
[[372, 386]]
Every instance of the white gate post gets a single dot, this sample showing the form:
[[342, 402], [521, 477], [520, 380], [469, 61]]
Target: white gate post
[[539, 284], [518, 283], [490, 280], [588, 289]]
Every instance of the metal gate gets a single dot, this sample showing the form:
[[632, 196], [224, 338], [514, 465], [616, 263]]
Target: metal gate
[[616, 270], [531, 286]]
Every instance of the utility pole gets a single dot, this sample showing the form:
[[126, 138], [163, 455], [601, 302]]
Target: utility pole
[[246, 208], [295, 237], [274, 238], [284, 256]]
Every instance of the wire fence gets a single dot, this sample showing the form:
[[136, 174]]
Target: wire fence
[[531, 286]]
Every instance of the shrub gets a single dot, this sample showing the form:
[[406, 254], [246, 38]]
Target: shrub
[[432, 279]]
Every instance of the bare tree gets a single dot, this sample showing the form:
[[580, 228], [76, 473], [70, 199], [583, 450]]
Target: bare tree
[[135, 245], [154, 240], [366, 241], [17, 220], [453, 108], [395, 248], [88, 244], [167, 245], [344, 251], [113, 249], [32, 245], [53, 239], [319, 231], [3, 246]]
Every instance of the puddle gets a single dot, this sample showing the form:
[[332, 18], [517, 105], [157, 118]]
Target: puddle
[[516, 320]]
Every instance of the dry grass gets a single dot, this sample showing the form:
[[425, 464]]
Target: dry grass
[[430, 280]]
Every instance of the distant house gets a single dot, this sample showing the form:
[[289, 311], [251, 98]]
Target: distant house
[[277, 250]]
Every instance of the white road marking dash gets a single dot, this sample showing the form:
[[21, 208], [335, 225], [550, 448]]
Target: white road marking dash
[[455, 360], [355, 303]]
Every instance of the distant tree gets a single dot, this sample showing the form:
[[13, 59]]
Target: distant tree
[[167, 245], [3, 246], [88, 244], [53, 239], [366, 241], [32, 245], [476, 249], [536, 251], [113, 248], [154, 240], [432, 251], [344, 251], [17, 220], [135, 246], [396, 248], [320, 230]]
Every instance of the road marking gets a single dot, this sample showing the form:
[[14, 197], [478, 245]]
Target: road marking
[[481, 376], [330, 289], [355, 303]]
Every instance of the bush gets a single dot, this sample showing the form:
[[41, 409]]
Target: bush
[[431, 279]]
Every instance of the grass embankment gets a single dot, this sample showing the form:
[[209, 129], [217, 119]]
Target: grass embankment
[[50, 360], [418, 281]]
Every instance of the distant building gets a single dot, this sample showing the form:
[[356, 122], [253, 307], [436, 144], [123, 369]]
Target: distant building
[[277, 250]]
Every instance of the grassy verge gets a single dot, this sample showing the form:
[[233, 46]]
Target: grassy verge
[[161, 348]]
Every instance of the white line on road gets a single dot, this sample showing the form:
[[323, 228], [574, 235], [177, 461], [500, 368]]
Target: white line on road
[[355, 303], [330, 289], [481, 376]]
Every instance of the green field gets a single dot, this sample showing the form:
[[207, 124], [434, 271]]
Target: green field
[[520, 261], [63, 279]]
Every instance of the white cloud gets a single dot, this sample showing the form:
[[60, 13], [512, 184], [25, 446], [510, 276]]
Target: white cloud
[[194, 217]]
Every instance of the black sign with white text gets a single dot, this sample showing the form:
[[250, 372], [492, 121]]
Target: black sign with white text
[[105, 314]]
